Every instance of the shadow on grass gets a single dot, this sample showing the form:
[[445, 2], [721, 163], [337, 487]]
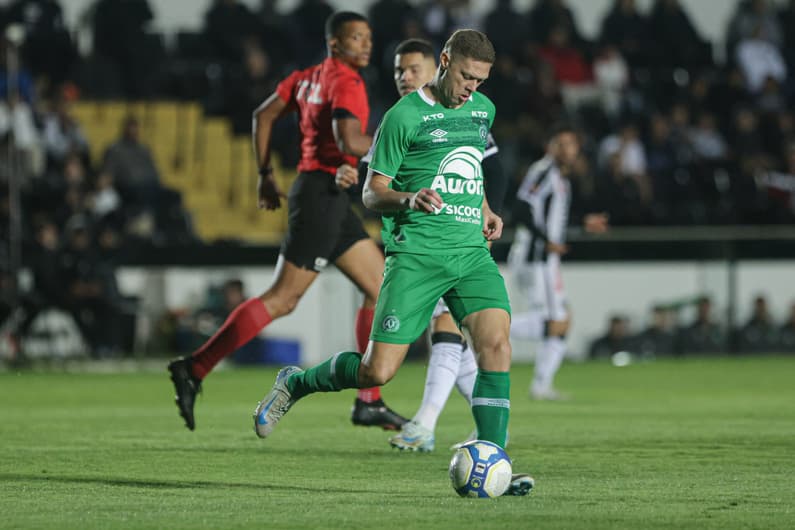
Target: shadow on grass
[[177, 484]]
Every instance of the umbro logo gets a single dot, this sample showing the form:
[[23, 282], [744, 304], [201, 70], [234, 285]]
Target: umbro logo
[[438, 133]]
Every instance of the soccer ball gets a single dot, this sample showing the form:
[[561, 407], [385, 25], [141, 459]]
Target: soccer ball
[[480, 469]]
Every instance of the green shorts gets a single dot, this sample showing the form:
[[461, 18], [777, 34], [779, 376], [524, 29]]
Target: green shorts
[[413, 283]]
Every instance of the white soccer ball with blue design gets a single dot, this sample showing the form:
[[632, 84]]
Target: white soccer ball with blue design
[[480, 469]]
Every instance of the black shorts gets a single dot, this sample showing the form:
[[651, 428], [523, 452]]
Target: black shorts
[[321, 225]]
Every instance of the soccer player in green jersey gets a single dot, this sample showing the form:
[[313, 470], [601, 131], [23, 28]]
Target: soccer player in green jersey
[[425, 177]]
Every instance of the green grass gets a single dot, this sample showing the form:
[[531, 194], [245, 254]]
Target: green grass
[[689, 444]]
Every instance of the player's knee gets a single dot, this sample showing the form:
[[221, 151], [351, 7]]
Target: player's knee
[[281, 303], [375, 375], [497, 346]]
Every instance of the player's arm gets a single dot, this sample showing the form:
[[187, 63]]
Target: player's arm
[[264, 116], [378, 195], [492, 223], [348, 134]]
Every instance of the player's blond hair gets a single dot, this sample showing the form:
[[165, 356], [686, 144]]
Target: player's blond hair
[[471, 44]]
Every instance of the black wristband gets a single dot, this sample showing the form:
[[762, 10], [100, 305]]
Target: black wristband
[[265, 171]]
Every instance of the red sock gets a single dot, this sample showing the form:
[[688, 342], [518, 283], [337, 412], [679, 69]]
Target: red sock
[[241, 326], [364, 322]]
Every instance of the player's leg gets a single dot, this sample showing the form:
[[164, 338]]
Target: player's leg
[[553, 348], [363, 263], [443, 365], [242, 325], [402, 311], [315, 216], [344, 370], [489, 331], [443, 368]]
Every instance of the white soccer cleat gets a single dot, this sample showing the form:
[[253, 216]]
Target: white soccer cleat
[[413, 437], [275, 404], [521, 484]]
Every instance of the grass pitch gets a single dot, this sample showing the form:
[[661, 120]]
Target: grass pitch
[[673, 444]]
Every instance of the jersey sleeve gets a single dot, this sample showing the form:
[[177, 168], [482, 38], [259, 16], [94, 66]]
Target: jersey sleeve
[[287, 89], [391, 143], [348, 93]]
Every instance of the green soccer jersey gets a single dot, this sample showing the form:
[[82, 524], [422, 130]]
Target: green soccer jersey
[[422, 144]]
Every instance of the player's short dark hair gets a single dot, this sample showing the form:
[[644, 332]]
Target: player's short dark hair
[[336, 21], [416, 46], [472, 44]]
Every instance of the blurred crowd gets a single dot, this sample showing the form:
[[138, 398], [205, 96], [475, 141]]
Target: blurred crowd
[[672, 136], [666, 335]]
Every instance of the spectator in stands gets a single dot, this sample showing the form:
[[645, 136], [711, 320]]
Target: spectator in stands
[[309, 17], [703, 335], [674, 37], [787, 332], [625, 150], [659, 338], [626, 29], [786, 18], [24, 87], [218, 303], [228, 25], [616, 339], [571, 70], [132, 167], [753, 18], [663, 161], [90, 289], [706, 140], [48, 47], [759, 334], [505, 27], [62, 134], [780, 185], [18, 129], [47, 289], [279, 37], [611, 74], [249, 85], [546, 14], [120, 42], [760, 60], [105, 200]]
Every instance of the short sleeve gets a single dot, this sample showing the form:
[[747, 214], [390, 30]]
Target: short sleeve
[[349, 93], [391, 143], [286, 89]]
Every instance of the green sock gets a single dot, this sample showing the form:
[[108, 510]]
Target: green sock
[[333, 375], [491, 405]]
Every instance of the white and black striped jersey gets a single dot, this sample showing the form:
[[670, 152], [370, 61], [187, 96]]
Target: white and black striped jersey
[[542, 206]]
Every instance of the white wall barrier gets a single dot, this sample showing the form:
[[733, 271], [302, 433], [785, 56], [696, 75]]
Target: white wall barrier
[[324, 320]]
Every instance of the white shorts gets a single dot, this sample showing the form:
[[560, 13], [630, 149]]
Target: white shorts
[[441, 307], [545, 289]]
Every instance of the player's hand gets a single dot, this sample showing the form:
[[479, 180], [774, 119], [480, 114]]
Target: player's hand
[[268, 193], [596, 223], [426, 200], [346, 176], [492, 225], [557, 248]]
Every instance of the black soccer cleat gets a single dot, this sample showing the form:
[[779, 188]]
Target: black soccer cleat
[[376, 414], [186, 386]]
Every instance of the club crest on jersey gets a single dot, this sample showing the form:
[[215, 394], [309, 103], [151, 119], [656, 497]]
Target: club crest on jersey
[[390, 324]]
